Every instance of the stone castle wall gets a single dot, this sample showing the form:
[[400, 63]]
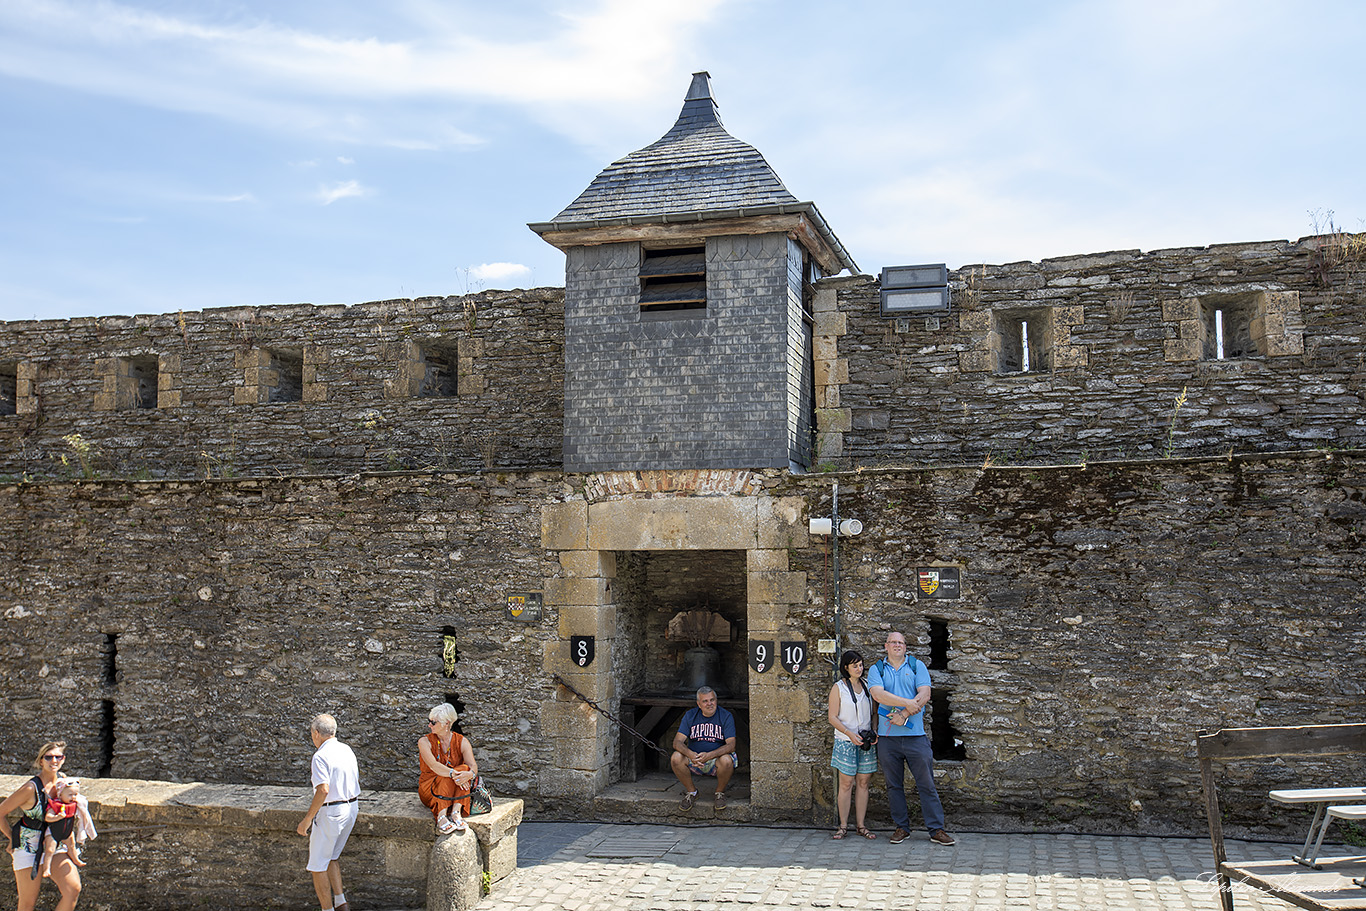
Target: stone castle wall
[[463, 383], [1108, 613], [1116, 338], [456, 383]]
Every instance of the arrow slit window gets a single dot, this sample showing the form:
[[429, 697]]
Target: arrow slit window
[[1022, 340]]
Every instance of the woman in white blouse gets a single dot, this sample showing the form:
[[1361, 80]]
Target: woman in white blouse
[[853, 759]]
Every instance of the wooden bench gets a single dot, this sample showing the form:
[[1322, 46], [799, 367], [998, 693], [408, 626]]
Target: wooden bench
[[1321, 798], [1329, 884]]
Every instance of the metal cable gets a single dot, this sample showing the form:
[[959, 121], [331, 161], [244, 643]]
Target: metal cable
[[609, 716]]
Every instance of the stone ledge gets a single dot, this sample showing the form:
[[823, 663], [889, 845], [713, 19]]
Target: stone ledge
[[394, 831]]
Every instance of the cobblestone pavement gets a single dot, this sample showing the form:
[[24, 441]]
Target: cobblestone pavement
[[587, 867]]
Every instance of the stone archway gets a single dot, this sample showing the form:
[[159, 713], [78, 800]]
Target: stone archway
[[587, 535]]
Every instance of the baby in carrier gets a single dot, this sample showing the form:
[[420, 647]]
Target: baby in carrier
[[62, 816]]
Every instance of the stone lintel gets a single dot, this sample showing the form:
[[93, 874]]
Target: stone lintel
[[690, 523]]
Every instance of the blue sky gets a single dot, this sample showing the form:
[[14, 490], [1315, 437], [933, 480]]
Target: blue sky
[[161, 155]]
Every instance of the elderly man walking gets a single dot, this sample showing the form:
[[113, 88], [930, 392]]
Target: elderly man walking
[[901, 686], [332, 814]]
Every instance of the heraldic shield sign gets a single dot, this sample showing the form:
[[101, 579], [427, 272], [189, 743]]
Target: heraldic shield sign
[[937, 581], [793, 656], [760, 654], [581, 650], [524, 606]]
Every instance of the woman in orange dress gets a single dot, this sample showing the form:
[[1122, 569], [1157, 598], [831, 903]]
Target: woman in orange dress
[[448, 770]]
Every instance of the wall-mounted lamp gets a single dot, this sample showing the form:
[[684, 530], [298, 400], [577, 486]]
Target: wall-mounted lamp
[[908, 290], [848, 527]]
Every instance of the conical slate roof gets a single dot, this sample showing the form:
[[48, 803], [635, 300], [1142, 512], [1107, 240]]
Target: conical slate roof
[[695, 167]]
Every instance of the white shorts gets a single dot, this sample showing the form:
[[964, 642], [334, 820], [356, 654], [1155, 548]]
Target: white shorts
[[331, 827], [23, 860]]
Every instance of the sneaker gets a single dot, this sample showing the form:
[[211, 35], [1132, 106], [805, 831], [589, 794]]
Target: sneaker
[[688, 800], [899, 836], [940, 837], [720, 800]]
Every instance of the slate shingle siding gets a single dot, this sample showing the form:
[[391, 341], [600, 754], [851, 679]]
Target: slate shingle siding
[[709, 391], [697, 166]]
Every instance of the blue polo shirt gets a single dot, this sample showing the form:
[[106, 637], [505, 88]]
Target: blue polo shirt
[[901, 681]]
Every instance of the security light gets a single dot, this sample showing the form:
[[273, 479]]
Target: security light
[[914, 289]]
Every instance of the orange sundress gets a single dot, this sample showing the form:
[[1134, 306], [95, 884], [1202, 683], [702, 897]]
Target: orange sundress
[[439, 792]]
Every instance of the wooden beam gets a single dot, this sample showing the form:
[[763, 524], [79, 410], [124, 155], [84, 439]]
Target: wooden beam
[[685, 233], [1307, 740]]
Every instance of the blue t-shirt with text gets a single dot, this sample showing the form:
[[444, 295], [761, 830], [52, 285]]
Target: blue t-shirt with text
[[901, 681], [706, 734]]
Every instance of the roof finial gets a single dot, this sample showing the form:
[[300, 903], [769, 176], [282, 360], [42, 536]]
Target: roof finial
[[699, 108], [701, 86]]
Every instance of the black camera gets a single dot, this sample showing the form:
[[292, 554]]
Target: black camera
[[869, 737]]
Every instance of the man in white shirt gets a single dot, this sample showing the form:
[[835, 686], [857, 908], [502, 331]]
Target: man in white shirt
[[332, 814]]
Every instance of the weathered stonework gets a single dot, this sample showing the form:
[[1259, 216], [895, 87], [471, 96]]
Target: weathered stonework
[[167, 845], [1129, 332], [352, 398], [1107, 614]]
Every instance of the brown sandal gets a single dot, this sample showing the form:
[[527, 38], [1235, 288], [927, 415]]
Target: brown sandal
[[840, 832], [863, 830]]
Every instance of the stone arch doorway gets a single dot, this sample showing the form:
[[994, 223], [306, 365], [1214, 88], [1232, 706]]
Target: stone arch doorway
[[594, 541]]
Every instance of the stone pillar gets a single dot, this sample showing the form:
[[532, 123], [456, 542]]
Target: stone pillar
[[585, 741], [257, 377], [26, 388], [780, 785], [168, 381], [315, 357], [468, 353], [832, 372]]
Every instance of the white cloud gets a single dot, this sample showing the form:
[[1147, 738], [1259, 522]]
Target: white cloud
[[499, 271], [342, 190], [363, 89]]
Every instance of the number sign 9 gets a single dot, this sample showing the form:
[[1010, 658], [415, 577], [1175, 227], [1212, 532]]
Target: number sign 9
[[760, 655]]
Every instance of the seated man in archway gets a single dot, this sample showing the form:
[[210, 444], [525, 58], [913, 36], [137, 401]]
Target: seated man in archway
[[704, 745]]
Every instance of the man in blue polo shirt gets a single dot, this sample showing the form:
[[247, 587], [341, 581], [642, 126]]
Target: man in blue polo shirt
[[901, 686], [704, 745]]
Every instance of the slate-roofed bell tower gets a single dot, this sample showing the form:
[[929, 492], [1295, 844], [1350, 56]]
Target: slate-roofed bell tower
[[687, 306]]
